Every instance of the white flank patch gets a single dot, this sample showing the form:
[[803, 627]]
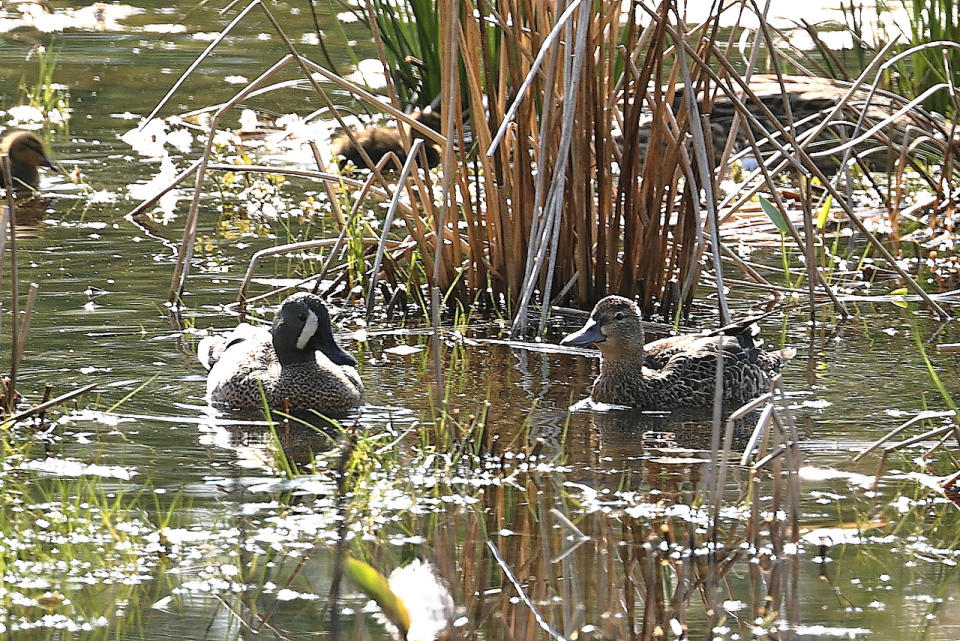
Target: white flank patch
[[203, 351], [309, 329]]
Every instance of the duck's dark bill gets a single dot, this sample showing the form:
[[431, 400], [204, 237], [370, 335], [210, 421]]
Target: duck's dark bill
[[588, 334]]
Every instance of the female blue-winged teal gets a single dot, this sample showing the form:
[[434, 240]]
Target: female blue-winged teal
[[26, 154], [678, 371], [297, 363]]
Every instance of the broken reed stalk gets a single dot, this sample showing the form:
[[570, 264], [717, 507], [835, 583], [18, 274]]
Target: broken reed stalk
[[748, 72], [11, 388], [388, 221], [185, 254], [705, 168], [283, 249], [552, 209], [328, 185], [922, 416], [50, 403], [336, 243], [25, 323], [807, 247]]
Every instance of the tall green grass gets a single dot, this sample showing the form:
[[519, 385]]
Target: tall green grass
[[408, 36], [930, 21]]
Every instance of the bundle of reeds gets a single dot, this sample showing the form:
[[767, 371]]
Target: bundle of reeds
[[578, 156]]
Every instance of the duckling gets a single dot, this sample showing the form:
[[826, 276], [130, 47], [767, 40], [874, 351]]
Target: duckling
[[297, 362], [379, 141], [26, 155], [678, 371]]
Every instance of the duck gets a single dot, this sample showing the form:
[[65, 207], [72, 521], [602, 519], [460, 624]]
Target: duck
[[27, 154], [380, 141], [674, 372], [297, 362]]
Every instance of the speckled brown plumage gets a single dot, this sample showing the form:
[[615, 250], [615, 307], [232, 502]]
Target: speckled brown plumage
[[679, 371], [297, 363], [380, 141], [26, 156]]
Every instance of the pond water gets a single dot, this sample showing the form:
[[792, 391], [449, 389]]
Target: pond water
[[216, 541]]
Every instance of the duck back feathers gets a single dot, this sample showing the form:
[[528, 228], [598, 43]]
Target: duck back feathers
[[297, 363], [678, 371], [378, 142], [211, 348]]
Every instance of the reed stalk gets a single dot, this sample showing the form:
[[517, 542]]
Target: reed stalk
[[555, 187], [10, 396]]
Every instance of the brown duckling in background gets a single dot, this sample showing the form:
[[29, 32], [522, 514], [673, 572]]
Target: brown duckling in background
[[379, 141], [26, 154]]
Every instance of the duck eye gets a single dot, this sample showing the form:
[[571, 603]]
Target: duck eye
[[302, 317], [618, 316]]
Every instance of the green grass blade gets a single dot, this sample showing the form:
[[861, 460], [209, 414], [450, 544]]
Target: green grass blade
[[776, 216], [375, 586]]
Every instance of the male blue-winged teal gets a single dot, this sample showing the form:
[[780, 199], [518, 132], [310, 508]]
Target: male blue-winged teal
[[26, 154], [297, 362], [678, 371]]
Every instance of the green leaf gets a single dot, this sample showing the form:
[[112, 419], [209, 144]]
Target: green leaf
[[824, 211], [775, 215], [897, 297], [375, 586]]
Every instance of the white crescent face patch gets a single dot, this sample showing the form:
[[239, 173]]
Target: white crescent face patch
[[309, 329]]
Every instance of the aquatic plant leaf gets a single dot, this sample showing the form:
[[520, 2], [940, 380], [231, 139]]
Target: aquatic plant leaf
[[824, 211], [775, 215], [897, 297], [947, 398], [375, 586]]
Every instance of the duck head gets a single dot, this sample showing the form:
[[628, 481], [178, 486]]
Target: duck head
[[302, 327], [26, 154], [614, 327]]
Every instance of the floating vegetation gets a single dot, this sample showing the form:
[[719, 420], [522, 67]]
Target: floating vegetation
[[98, 16], [60, 537]]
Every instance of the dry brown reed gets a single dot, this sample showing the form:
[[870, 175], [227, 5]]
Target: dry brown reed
[[20, 320], [10, 223], [578, 155]]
